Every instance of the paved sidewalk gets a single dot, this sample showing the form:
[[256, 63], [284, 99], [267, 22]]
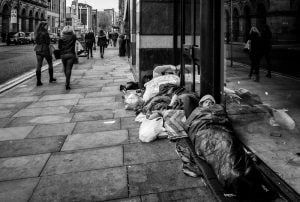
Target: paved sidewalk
[[81, 145]]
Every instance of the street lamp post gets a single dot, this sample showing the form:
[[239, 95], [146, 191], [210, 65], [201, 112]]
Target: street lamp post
[[18, 13], [231, 33]]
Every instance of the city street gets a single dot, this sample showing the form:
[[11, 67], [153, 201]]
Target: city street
[[82, 145], [16, 60]]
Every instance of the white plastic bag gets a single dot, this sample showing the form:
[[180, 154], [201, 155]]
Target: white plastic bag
[[168, 69], [152, 87], [283, 119], [150, 129], [132, 100]]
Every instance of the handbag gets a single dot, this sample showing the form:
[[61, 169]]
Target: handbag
[[247, 46], [57, 54]]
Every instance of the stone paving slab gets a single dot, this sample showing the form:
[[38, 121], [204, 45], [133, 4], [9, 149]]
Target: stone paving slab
[[84, 160], [93, 116], [129, 123], [43, 111], [202, 194], [5, 121], [97, 185], [91, 108], [54, 103], [131, 199], [94, 140], [90, 101], [17, 190], [118, 113], [14, 133], [61, 97], [25, 147], [6, 113], [101, 94], [97, 126], [35, 120], [159, 177], [133, 134], [22, 167], [48, 130], [19, 105], [156, 151], [111, 89], [19, 99]]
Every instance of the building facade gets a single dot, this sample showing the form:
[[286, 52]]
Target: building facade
[[56, 15], [95, 20], [85, 16], [21, 15], [283, 17]]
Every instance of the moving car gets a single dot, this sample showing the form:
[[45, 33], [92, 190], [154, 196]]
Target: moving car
[[29, 36], [16, 38]]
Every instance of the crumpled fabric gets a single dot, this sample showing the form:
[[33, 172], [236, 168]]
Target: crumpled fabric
[[157, 103], [211, 134], [174, 123]]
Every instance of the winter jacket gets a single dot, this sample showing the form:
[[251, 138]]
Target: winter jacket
[[90, 39], [66, 44], [42, 43]]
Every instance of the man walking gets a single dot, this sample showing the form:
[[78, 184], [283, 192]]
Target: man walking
[[89, 42]]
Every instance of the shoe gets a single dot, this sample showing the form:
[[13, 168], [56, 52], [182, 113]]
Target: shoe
[[39, 83], [38, 78], [68, 87], [91, 56], [51, 80]]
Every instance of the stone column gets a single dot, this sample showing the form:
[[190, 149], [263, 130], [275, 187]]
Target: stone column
[[154, 35]]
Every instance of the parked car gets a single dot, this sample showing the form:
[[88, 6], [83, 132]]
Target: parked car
[[53, 37], [16, 38], [29, 36]]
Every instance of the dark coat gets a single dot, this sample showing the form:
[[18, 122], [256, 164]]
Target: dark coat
[[90, 39], [256, 48], [66, 44], [42, 43], [102, 41]]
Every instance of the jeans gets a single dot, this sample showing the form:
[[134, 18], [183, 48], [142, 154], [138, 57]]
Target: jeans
[[68, 61], [89, 51], [40, 58], [101, 50]]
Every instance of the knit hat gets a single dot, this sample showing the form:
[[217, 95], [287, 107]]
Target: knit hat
[[206, 97]]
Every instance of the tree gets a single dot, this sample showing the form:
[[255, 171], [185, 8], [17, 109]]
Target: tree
[[104, 20]]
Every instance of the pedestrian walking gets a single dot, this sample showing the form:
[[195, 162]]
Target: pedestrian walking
[[102, 42], [42, 50], [122, 48], [66, 44], [255, 52], [115, 38], [89, 42], [266, 36]]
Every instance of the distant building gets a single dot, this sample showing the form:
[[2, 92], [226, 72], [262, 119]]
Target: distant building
[[56, 15], [21, 15], [85, 16], [283, 17], [95, 20]]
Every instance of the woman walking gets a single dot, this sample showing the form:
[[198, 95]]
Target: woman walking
[[102, 42], [255, 52], [66, 44], [42, 51]]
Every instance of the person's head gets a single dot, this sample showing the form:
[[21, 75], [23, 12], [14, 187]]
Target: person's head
[[101, 32], [42, 27], [67, 30], [90, 30], [254, 30], [207, 100]]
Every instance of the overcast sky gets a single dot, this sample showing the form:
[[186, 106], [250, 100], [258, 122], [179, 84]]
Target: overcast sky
[[100, 5]]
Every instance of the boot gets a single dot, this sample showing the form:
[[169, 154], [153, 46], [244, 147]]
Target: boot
[[38, 78], [51, 79], [256, 78]]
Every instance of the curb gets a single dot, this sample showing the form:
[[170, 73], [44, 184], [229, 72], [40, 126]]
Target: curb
[[20, 79]]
